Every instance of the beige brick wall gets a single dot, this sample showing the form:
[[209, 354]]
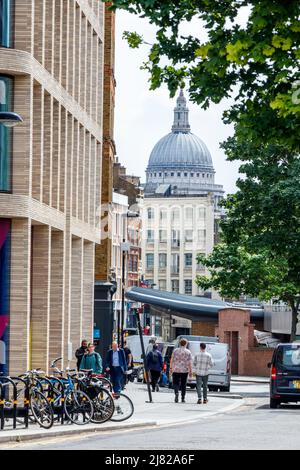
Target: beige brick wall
[[57, 66]]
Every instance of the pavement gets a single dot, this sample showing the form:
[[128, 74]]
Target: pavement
[[244, 378], [163, 412]]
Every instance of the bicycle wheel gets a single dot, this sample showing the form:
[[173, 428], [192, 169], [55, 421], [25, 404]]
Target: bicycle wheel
[[106, 383], [78, 407], [104, 407], [124, 408], [41, 409]]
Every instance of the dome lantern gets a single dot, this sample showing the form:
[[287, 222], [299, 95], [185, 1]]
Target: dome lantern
[[181, 116]]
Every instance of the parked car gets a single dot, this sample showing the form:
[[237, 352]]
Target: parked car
[[220, 374], [285, 374]]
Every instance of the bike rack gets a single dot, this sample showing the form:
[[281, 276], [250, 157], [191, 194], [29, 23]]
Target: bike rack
[[6, 398]]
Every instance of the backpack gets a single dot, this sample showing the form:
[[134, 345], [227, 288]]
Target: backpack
[[155, 358]]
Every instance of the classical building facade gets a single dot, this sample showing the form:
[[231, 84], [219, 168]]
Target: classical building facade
[[51, 73], [181, 209]]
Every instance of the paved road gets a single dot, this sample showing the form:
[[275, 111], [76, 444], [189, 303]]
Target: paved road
[[252, 426]]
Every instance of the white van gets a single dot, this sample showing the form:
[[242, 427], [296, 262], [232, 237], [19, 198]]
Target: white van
[[220, 374], [134, 344]]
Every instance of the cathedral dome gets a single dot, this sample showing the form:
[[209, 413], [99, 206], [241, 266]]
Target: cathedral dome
[[181, 149]]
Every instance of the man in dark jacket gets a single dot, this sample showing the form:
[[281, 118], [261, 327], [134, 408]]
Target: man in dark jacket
[[154, 363], [81, 352], [116, 365]]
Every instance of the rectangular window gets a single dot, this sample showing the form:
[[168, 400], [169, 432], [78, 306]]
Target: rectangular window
[[163, 236], [175, 286], [188, 260], [5, 135], [188, 286], [150, 261], [175, 239], [150, 236], [202, 237], [188, 236], [150, 213], [175, 264], [162, 260], [201, 213], [6, 23], [162, 284]]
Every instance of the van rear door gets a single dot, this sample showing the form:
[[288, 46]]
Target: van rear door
[[288, 368], [220, 355]]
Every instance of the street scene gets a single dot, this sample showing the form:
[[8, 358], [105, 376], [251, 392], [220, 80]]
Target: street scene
[[149, 227]]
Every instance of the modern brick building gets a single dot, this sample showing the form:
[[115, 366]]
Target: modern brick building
[[51, 73]]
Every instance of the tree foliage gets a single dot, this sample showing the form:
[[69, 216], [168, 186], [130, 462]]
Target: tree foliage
[[260, 250], [256, 61]]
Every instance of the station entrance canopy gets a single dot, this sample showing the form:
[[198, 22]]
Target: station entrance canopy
[[187, 306]]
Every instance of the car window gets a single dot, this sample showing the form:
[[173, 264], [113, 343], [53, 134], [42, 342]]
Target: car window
[[289, 355]]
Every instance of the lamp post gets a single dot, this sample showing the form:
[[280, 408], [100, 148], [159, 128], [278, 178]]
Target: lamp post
[[9, 119], [125, 249]]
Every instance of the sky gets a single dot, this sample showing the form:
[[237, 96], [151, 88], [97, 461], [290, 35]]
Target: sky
[[143, 116]]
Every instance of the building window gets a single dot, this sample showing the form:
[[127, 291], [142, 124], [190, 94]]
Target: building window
[[188, 236], [188, 286], [172, 174], [175, 215], [162, 260], [175, 241], [163, 236], [162, 284], [175, 286], [6, 23], [150, 213], [178, 174], [150, 236], [192, 174], [150, 261], [6, 84], [201, 213], [160, 175], [188, 260], [185, 175], [202, 237], [166, 174], [163, 215], [175, 264]]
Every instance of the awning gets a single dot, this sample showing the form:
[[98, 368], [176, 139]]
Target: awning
[[187, 306]]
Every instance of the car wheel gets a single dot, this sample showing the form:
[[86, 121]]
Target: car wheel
[[225, 389], [274, 403]]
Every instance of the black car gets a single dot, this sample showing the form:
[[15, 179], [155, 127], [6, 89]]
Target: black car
[[285, 375]]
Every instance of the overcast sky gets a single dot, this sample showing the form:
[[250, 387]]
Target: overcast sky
[[143, 116]]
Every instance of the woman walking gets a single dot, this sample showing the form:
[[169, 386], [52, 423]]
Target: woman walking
[[181, 369], [154, 362]]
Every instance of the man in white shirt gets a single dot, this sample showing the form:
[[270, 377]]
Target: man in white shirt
[[203, 362]]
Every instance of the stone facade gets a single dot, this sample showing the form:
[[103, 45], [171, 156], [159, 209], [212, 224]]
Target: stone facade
[[57, 64]]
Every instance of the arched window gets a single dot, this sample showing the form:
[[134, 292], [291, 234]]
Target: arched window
[[6, 23]]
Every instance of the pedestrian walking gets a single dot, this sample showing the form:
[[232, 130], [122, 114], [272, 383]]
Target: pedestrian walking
[[81, 352], [92, 360], [203, 362], [181, 369], [152, 341], [154, 363], [129, 361], [116, 365]]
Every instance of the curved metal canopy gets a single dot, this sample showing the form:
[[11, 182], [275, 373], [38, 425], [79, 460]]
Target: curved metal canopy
[[194, 308]]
